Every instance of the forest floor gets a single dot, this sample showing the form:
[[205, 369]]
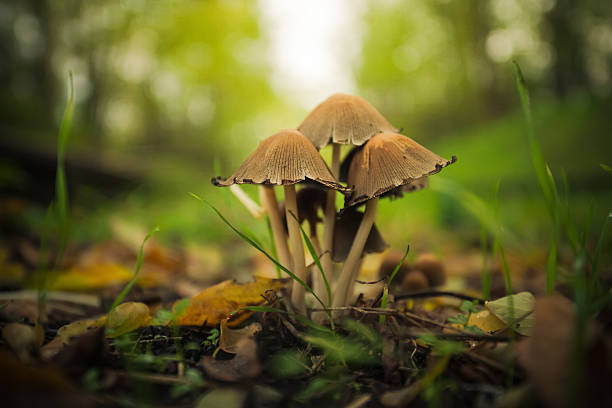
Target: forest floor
[[435, 346]]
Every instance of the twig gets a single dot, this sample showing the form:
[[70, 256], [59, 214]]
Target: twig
[[434, 293], [459, 336]]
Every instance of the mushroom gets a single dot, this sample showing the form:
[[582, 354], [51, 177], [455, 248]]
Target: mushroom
[[286, 158], [387, 162], [340, 119]]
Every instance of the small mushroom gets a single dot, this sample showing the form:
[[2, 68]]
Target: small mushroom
[[386, 162], [340, 119], [286, 158], [432, 268], [415, 281]]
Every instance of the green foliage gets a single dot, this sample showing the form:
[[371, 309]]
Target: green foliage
[[212, 341], [288, 363]]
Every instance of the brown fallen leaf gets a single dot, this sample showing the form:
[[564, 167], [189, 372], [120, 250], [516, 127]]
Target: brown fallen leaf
[[243, 366], [546, 356], [25, 340], [229, 338], [217, 302], [127, 317]]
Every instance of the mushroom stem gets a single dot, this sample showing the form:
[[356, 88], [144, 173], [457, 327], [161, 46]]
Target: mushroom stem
[[297, 249], [330, 215], [250, 205], [353, 260], [270, 204]]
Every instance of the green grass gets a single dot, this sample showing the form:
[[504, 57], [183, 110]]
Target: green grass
[[58, 209]]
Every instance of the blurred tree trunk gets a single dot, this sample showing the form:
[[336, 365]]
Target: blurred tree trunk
[[568, 69]]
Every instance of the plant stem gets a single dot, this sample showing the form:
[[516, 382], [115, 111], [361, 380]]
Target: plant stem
[[270, 204], [297, 248], [353, 259]]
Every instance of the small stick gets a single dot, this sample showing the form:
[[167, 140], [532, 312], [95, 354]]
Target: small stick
[[435, 293], [254, 208]]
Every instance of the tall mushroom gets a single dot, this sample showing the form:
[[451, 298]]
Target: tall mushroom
[[340, 119], [387, 162], [286, 158]]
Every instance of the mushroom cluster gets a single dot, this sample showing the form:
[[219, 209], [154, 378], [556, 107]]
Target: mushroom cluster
[[382, 163]]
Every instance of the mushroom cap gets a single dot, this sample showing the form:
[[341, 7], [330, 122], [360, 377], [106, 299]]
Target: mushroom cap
[[398, 192], [284, 158], [389, 161], [345, 119], [345, 229], [432, 267]]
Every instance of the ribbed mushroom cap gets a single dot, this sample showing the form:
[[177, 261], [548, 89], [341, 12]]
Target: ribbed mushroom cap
[[386, 162], [398, 192], [286, 157], [345, 229], [345, 119]]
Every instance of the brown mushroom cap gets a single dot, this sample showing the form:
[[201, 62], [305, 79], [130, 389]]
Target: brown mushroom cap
[[415, 280], [345, 119], [398, 192], [345, 229], [432, 267], [388, 161], [284, 158]]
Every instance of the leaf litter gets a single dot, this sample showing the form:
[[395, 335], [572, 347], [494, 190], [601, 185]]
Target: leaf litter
[[427, 346]]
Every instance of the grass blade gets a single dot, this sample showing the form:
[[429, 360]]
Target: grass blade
[[139, 261], [385, 296], [61, 192], [485, 276], [544, 176]]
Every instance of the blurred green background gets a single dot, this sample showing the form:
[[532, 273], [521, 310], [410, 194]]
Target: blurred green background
[[169, 91]]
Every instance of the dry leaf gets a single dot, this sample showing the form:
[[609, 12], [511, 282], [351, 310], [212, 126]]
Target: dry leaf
[[25, 340], [520, 309], [91, 277], [486, 321], [243, 366], [229, 338], [127, 317], [217, 302], [79, 327]]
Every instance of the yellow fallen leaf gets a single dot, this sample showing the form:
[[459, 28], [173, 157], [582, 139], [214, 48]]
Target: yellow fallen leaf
[[216, 303], [79, 327], [25, 340], [91, 277], [520, 309], [486, 321], [127, 317]]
